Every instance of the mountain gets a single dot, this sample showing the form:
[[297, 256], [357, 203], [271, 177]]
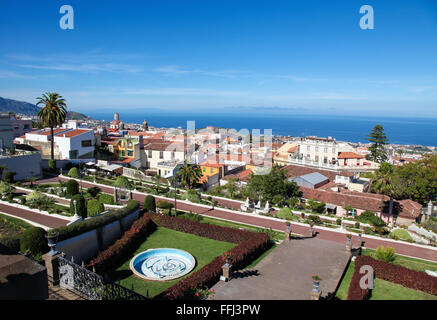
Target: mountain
[[15, 106], [28, 109]]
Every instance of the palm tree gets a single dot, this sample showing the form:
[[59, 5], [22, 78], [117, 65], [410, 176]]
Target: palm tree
[[383, 182], [52, 114], [189, 174]]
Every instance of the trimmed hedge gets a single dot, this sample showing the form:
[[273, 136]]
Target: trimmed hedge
[[106, 198], [94, 207], [33, 240], [250, 246], [149, 204], [78, 228], [73, 173], [72, 188], [408, 278], [123, 248]]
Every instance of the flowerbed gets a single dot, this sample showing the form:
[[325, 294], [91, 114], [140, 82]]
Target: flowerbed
[[387, 271], [125, 246], [250, 246]]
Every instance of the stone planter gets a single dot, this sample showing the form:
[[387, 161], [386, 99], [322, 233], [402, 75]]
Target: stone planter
[[316, 285], [52, 240]]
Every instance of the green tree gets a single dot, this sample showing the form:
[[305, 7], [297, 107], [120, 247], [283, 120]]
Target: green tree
[[378, 139], [266, 186], [123, 182], [73, 173], [189, 174], [52, 114], [231, 186], [80, 203], [149, 204]]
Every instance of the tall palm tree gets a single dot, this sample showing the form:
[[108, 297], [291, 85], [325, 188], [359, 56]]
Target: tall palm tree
[[52, 114], [189, 174]]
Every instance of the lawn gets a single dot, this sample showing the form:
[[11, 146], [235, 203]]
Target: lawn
[[384, 290], [401, 234], [204, 251], [410, 263]]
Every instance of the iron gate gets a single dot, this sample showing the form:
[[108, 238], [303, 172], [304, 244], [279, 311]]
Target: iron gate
[[91, 285]]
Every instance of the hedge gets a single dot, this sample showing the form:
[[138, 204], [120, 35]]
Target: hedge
[[250, 246], [123, 248], [72, 230], [73, 173], [33, 239], [72, 188], [106, 198], [408, 278], [149, 204], [94, 207]]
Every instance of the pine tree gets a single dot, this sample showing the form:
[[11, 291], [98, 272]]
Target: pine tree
[[378, 139]]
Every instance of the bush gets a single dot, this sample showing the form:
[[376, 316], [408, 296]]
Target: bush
[[73, 173], [94, 191], [72, 188], [193, 196], [370, 218], [22, 200], [123, 248], [385, 254], [94, 207], [33, 240], [285, 213], [315, 219], [338, 221], [106, 198], [52, 164], [37, 199], [78, 228], [123, 182], [80, 206], [9, 176], [357, 225], [149, 204]]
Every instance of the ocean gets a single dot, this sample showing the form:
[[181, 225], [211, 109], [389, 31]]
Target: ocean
[[408, 131]]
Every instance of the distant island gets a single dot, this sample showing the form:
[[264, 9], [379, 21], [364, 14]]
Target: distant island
[[29, 109]]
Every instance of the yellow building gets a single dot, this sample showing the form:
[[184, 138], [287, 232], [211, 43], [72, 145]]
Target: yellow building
[[211, 169]]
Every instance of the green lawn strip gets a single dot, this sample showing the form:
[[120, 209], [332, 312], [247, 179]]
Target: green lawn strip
[[407, 262], [343, 289], [402, 234], [385, 290], [223, 223], [7, 220], [204, 250]]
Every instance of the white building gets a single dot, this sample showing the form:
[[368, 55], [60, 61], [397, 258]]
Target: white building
[[69, 143]]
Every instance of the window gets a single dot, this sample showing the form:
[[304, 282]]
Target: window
[[204, 169], [130, 153], [86, 143], [161, 154], [150, 154], [73, 154], [212, 170]]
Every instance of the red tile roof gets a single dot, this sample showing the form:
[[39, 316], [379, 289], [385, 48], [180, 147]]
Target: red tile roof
[[72, 133], [350, 155], [294, 171]]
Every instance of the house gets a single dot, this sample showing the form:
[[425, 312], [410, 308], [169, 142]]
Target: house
[[69, 144], [155, 152]]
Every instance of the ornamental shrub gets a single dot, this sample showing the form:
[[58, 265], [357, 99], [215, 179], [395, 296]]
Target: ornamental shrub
[[52, 164], [123, 182], [285, 213], [94, 191], [72, 188], [386, 254], [94, 207], [73, 173], [192, 195], [149, 204], [80, 206], [106, 198], [33, 240], [338, 221], [370, 218], [315, 219]]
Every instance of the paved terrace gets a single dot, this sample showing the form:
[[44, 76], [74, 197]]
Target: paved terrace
[[285, 274]]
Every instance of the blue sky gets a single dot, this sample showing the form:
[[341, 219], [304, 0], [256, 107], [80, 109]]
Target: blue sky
[[306, 56]]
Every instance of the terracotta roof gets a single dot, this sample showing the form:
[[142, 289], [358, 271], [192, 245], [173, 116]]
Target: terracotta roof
[[364, 201], [242, 175], [294, 171], [350, 155], [211, 165], [292, 149], [72, 133]]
